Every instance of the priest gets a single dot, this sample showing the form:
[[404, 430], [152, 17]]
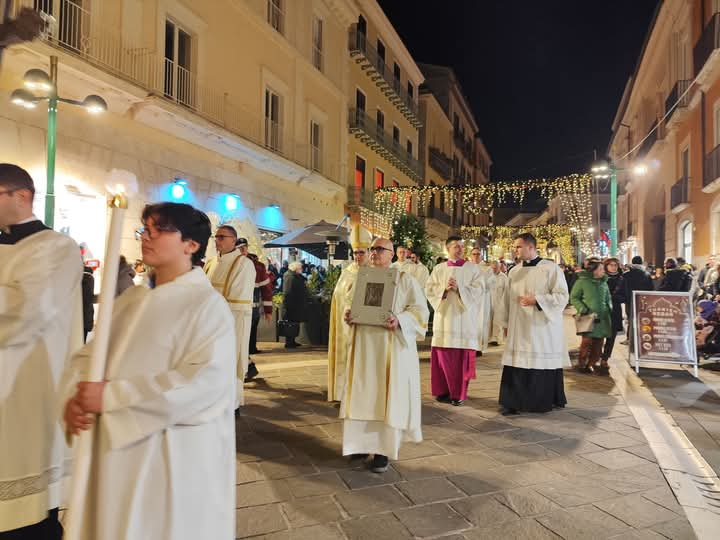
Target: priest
[[456, 291], [381, 404], [485, 315], [497, 332], [41, 325], [232, 274], [536, 351], [163, 457], [360, 240], [418, 269]]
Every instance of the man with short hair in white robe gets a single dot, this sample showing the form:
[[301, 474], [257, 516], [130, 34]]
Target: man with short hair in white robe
[[360, 240], [233, 274], [418, 269], [41, 325], [163, 456], [381, 406], [497, 334], [485, 312], [455, 290], [536, 350]]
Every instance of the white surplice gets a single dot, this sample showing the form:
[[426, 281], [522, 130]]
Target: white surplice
[[163, 457], [40, 327], [455, 324], [485, 315], [339, 331], [497, 296], [419, 271], [233, 276], [381, 405], [536, 337]]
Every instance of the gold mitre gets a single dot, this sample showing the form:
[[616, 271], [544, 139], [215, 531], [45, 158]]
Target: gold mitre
[[360, 237]]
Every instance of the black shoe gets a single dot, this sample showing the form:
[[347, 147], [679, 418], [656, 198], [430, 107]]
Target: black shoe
[[457, 402], [445, 398], [509, 412], [251, 372], [493, 344], [292, 345], [255, 352], [478, 353], [379, 463]]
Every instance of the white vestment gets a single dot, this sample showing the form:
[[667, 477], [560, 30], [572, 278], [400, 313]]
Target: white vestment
[[163, 457], [419, 271], [455, 323], [40, 327], [381, 405], [339, 331], [536, 337], [485, 318], [497, 296], [233, 276]]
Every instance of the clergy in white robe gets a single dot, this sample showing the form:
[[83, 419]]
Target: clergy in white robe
[[163, 456], [497, 333], [381, 404], [360, 240], [233, 274], [455, 290], [536, 350], [485, 312], [40, 327]]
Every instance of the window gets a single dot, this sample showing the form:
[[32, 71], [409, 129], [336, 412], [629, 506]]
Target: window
[[275, 14], [409, 147], [273, 128], [685, 161], [604, 211], [411, 91], [359, 108], [380, 122], [179, 83], [315, 146], [317, 45], [359, 172], [379, 179], [362, 33], [380, 57], [396, 77], [686, 241], [396, 135]]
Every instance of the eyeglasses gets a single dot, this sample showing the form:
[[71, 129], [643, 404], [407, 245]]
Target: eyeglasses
[[378, 249], [151, 234]]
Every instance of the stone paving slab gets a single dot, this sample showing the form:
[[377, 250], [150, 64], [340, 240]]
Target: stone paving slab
[[582, 472]]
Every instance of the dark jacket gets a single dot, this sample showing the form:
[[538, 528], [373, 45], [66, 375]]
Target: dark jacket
[[616, 284], [636, 279], [591, 295], [125, 278], [295, 297], [676, 279], [88, 298]]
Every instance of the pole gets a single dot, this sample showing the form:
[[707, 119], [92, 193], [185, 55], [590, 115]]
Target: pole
[[613, 212], [51, 135]]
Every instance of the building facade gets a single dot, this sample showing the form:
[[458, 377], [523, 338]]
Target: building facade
[[669, 119]]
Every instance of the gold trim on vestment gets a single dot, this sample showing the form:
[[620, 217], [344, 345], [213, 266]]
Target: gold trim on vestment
[[226, 288]]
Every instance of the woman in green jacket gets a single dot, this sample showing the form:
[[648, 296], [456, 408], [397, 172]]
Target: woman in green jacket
[[591, 295]]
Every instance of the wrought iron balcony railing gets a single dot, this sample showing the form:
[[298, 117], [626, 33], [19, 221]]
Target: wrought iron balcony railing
[[671, 103], [708, 42], [679, 193], [441, 163]]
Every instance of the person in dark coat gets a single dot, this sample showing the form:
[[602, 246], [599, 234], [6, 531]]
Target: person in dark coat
[[88, 299], [295, 298], [616, 284], [125, 276], [677, 279], [636, 279]]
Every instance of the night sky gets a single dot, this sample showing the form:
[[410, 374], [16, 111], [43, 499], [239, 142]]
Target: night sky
[[544, 77]]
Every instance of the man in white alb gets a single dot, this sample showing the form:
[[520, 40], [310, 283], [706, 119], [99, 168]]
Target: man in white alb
[[497, 333], [233, 274], [41, 325], [485, 317], [381, 404]]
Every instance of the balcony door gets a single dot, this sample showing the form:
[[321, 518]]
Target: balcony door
[[179, 81], [73, 18], [273, 126]]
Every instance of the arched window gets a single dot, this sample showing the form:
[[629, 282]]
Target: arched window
[[685, 241]]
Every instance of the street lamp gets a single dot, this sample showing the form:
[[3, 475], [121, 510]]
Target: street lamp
[[38, 80], [604, 170]]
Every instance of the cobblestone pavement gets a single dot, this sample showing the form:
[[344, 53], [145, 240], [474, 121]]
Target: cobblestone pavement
[[582, 472]]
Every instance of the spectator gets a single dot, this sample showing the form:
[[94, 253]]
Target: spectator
[[125, 276], [616, 285], [657, 278], [677, 279], [295, 298], [636, 279], [591, 295]]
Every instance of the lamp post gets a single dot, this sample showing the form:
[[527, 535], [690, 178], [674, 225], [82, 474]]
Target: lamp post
[[37, 79]]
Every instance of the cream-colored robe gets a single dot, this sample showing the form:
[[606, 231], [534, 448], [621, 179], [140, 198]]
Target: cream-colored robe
[[536, 338], [163, 457], [419, 271], [455, 324], [381, 405], [233, 276], [40, 327], [339, 331], [498, 295]]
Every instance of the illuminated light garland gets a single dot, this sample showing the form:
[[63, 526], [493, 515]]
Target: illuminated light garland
[[378, 224]]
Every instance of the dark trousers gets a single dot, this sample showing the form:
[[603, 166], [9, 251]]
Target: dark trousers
[[47, 529], [253, 331], [608, 347], [590, 349]]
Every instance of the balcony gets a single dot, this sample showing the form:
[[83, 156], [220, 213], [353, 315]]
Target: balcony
[[358, 197], [654, 134], [673, 107], [375, 137], [435, 213], [169, 87], [440, 163], [378, 71], [679, 196], [464, 145], [711, 179], [705, 57]]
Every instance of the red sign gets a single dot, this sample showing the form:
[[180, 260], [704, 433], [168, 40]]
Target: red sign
[[93, 263]]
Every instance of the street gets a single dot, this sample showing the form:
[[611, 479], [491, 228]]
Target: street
[[587, 471]]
